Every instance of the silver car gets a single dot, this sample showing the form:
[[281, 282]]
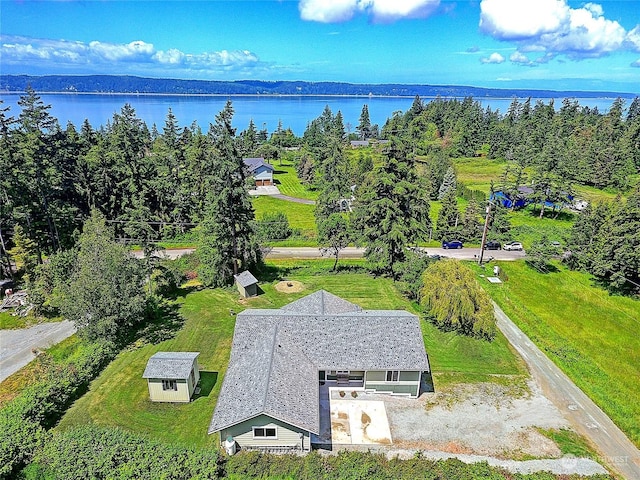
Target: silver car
[[512, 246]]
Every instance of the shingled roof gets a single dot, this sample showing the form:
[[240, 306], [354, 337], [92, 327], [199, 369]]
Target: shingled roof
[[253, 164], [246, 278], [170, 365], [276, 355]]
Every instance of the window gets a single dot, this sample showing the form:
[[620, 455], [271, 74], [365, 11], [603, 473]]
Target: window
[[393, 375], [264, 432], [170, 385]]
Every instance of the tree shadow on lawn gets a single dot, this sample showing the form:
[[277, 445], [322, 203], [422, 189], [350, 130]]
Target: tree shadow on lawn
[[208, 380], [271, 273], [163, 324]]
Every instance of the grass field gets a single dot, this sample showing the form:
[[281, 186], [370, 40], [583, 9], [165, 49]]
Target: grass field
[[477, 173], [300, 215], [591, 335], [288, 183], [119, 396]]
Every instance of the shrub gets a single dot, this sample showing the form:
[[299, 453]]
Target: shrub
[[100, 452], [273, 226], [24, 421]]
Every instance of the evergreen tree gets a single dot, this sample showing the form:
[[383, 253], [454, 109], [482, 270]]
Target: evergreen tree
[[227, 239], [364, 126], [392, 211], [448, 183], [449, 223], [471, 230], [499, 225]]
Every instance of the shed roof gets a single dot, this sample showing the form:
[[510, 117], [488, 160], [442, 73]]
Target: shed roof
[[170, 365], [276, 355], [246, 278]]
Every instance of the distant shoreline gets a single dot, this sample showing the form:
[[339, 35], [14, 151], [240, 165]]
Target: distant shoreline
[[311, 95]]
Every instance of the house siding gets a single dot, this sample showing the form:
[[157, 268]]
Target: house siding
[[287, 435], [408, 382]]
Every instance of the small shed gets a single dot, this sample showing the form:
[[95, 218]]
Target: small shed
[[247, 284], [172, 376]]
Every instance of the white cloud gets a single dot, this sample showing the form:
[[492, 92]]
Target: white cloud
[[520, 58], [636, 63], [137, 50], [60, 53], [551, 26], [327, 11], [495, 57], [332, 11], [633, 39], [522, 19]]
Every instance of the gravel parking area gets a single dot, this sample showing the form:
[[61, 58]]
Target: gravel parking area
[[471, 422]]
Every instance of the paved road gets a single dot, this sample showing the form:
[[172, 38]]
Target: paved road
[[16, 345], [587, 418], [353, 252]]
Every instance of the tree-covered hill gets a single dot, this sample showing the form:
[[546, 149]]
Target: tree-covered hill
[[131, 84]]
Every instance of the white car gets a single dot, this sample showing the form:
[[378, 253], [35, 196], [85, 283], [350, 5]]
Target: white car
[[512, 246]]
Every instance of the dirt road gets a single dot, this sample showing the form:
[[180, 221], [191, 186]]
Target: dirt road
[[586, 417], [16, 345]]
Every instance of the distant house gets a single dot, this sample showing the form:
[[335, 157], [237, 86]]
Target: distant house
[[280, 357], [359, 143], [261, 171], [172, 376], [247, 284]]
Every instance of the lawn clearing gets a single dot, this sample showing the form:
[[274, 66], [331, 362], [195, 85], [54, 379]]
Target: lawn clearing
[[477, 173], [300, 215], [591, 335], [119, 396], [288, 183]]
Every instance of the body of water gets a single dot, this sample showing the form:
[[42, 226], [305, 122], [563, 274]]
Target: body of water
[[294, 112]]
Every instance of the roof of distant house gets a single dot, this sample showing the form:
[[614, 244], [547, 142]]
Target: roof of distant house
[[244, 279], [277, 353], [253, 164], [170, 365]]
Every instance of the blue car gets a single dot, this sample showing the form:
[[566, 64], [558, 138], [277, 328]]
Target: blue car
[[452, 244]]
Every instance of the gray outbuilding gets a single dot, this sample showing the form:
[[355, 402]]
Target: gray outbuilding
[[247, 284], [172, 376]]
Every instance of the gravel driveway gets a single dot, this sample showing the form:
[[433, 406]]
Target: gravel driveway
[[16, 345]]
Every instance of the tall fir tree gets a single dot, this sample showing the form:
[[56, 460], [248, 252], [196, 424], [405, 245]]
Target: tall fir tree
[[449, 223], [448, 183], [392, 211], [228, 242]]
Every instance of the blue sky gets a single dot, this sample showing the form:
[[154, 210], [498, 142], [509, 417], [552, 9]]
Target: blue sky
[[540, 44]]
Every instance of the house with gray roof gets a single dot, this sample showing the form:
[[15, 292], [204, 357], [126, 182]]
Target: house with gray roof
[[261, 171], [247, 284], [172, 376], [279, 357]]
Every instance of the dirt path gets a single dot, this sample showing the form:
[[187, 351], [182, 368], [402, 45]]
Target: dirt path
[[16, 345], [584, 415], [287, 198]]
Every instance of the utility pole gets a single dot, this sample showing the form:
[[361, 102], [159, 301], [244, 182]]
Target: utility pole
[[484, 231]]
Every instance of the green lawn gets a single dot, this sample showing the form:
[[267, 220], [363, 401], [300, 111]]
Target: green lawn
[[477, 173], [591, 335], [119, 395], [288, 183], [300, 215]]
